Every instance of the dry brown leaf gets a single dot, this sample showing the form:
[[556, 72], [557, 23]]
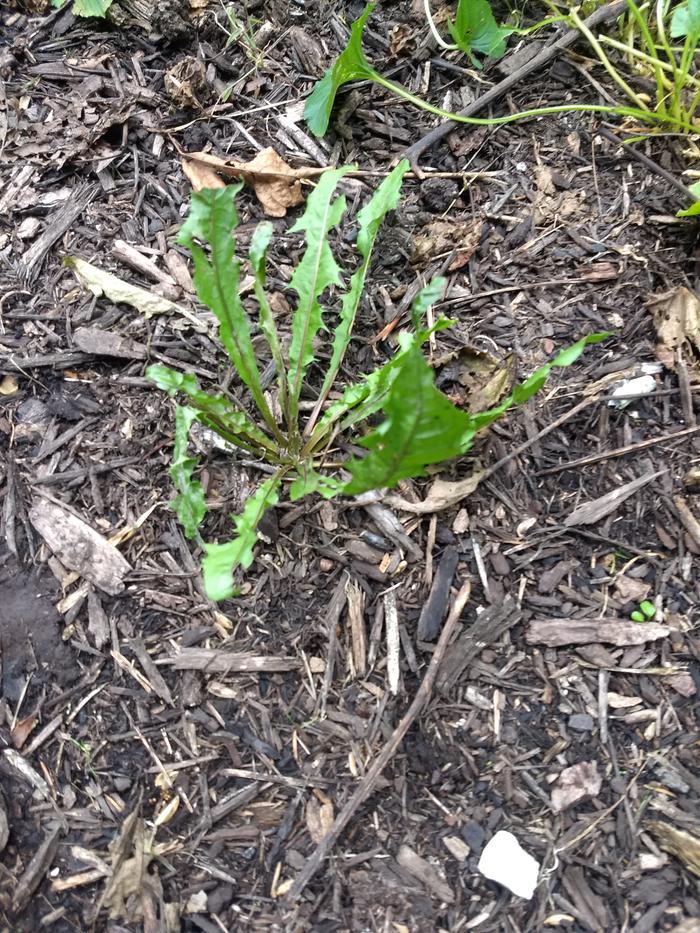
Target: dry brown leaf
[[441, 237], [442, 495], [186, 82], [319, 818], [676, 315], [276, 184], [201, 175], [22, 730]]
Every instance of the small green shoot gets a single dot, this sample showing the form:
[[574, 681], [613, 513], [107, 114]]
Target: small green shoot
[[474, 29], [96, 8], [419, 426], [645, 613], [352, 65], [694, 209]]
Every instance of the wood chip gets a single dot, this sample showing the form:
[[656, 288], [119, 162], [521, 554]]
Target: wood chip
[[592, 512], [424, 872], [558, 632], [79, 547], [217, 662]]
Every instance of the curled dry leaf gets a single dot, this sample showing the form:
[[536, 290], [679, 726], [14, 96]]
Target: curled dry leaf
[[442, 495], [276, 184], [676, 316], [117, 290], [441, 237], [319, 818]]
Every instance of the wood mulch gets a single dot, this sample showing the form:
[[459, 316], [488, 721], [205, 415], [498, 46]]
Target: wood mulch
[[168, 764]]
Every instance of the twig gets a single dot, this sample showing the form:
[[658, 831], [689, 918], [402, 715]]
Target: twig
[[369, 781], [546, 55], [618, 452], [688, 195], [586, 403]]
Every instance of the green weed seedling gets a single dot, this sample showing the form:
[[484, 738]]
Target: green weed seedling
[[86, 7], [418, 427], [352, 65], [645, 613], [473, 30], [694, 209]]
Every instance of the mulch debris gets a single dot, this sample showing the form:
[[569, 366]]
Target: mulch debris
[[168, 764]]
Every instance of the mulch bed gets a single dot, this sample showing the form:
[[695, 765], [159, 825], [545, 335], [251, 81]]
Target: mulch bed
[[168, 764]]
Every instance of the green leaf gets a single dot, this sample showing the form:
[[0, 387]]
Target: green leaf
[[694, 209], [422, 427], [637, 616], [685, 20], [222, 559], [212, 218], [369, 219], [362, 399], [316, 271], [189, 503], [309, 481], [217, 412], [258, 258], [351, 65], [648, 608], [475, 30], [91, 7]]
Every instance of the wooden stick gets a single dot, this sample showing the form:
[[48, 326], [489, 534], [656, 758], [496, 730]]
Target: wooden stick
[[366, 786], [546, 55]]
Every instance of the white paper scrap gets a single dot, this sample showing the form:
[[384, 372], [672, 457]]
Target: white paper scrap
[[505, 861]]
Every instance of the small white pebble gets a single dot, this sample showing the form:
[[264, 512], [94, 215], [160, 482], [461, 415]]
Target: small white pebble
[[504, 860]]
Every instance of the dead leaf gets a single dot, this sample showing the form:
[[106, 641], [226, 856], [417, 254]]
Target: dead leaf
[[576, 783], [319, 818], [442, 237], [442, 495], [186, 82], [120, 292], [559, 632], [22, 730], [276, 184], [201, 175], [676, 315]]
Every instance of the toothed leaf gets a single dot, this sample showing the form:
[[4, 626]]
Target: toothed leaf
[[189, 502], [369, 219], [222, 559], [218, 413], [316, 271], [212, 219]]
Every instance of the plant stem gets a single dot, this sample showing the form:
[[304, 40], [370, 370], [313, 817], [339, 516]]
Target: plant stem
[[433, 28], [645, 115], [649, 59], [605, 61]]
